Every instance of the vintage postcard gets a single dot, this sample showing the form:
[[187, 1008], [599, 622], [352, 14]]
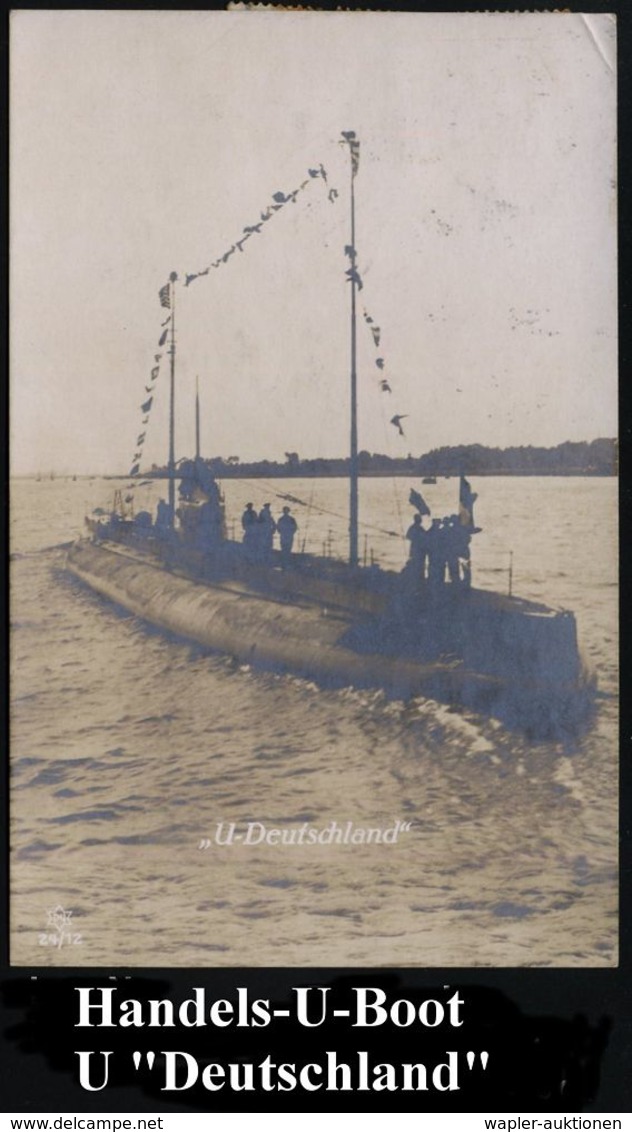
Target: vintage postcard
[[314, 489]]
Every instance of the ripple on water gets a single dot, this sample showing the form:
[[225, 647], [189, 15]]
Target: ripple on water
[[512, 852]]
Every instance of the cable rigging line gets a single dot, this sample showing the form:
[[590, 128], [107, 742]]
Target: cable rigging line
[[326, 511]]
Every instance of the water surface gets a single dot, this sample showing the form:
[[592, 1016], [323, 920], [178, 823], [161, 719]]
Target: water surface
[[128, 747]]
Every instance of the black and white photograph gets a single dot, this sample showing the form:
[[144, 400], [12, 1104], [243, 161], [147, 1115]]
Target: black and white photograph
[[314, 565]]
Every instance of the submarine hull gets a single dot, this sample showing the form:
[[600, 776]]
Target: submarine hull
[[513, 660]]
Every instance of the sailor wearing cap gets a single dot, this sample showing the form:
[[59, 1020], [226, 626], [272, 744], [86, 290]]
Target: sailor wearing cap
[[286, 527]]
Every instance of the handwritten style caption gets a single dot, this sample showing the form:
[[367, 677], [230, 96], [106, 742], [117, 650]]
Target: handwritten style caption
[[367, 1008]]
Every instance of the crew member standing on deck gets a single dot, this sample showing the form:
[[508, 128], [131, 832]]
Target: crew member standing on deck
[[249, 526], [286, 526], [266, 527], [436, 554], [452, 542], [464, 538], [418, 539], [163, 517]]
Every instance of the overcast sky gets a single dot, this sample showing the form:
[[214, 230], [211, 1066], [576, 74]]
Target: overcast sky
[[144, 143]]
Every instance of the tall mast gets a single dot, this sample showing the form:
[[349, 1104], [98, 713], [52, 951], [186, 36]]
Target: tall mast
[[354, 150], [197, 418], [172, 405]]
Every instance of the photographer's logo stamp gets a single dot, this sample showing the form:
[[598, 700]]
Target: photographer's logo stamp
[[59, 929]]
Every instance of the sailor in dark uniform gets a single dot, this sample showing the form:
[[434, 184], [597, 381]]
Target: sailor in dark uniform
[[265, 528], [249, 526], [418, 539], [286, 526], [248, 519], [163, 517]]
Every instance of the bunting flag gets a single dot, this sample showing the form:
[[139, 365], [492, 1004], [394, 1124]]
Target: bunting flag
[[134, 469], [354, 149], [279, 200], [397, 421], [141, 439], [467, 499], [154, 373], [198, 274], [163, 338], [353, 276], [384, 385], [146, 406], [167, 321], [165, 296], [418, 502]]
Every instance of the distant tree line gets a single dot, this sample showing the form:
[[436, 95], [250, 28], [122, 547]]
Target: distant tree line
[[579, 458]]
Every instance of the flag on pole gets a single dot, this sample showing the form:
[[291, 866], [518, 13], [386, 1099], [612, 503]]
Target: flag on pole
[[164, 295], [418, 502], [467, 499]]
